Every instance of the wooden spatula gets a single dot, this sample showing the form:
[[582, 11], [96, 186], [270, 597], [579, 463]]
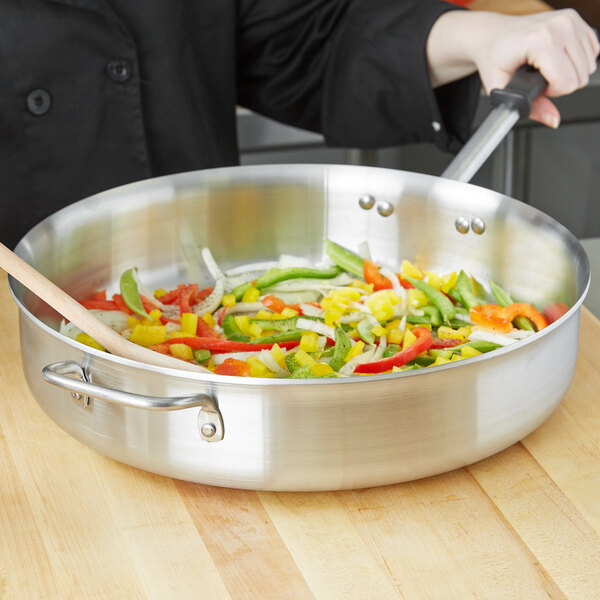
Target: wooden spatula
[[76, 313]]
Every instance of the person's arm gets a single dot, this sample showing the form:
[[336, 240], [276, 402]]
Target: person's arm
[[559, 43]]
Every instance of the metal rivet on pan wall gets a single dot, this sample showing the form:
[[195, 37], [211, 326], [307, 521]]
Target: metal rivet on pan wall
[[208, 430], [462, 225], [366, 201], [385, 209], [477, 226]]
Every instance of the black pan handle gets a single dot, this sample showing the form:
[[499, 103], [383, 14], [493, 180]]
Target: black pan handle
[[524, 87]]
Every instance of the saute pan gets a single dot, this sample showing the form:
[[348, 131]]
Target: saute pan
[[275, 434]]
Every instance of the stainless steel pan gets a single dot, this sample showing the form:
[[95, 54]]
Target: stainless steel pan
[[300, 434]]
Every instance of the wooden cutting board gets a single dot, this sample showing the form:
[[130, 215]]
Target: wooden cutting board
[[523, 524]]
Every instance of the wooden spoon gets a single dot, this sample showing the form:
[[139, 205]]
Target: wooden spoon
[[85, 320]]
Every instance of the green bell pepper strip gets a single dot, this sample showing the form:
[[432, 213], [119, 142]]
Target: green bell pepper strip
[[390, 350], [232, 331], [276, 324], [130, 293], [437, 298], [504, 299], [464, 287], [364, 331], [201, 356], [432, 316], [480, 345], [290, 335], [347, 260], [306, 373], [343, 343], [273, 276]]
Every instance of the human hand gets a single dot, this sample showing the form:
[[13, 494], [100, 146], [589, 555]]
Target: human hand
[[558, 43]]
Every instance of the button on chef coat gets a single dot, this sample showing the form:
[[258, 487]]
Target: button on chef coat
[[98, 93]]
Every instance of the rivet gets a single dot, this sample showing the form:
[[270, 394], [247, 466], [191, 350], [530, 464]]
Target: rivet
[[208, 430], [366, 201], [478, 226], [436, 126], [385, 209], [462, 225]]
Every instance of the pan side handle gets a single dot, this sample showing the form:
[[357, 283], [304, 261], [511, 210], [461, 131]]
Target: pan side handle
[[70, 375]]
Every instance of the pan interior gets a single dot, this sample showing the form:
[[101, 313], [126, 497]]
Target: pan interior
[[250, 214]]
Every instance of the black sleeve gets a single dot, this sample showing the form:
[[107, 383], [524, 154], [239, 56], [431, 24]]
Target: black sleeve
[[354, 70]]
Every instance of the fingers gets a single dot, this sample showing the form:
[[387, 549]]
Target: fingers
[[544, 111], [564, 48]]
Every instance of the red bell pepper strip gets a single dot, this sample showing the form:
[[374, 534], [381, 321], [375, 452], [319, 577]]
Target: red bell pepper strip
[[372, 275], [185, 300], [173, 296], [118, 300], [421, 344], [218, 345], [555, 311], [148, 304], [233, 366], [99, 304], [162, 348], [101, 295], [445, 343], [203, 329], [201, 295]]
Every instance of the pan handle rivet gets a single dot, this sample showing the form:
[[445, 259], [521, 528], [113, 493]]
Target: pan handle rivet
[[208, 430], [385, 209], [366, 201], [478, 226], [462, 225]]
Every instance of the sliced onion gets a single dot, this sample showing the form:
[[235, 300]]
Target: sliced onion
[[489, 336], [364, 251], [365, 357], [212, 301], [380, 348], [308, 283], [311, 311], [69, 329], [316, 326], [251, 268], [266, 358], [355, 316]]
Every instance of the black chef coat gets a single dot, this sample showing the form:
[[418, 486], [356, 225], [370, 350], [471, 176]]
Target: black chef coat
[[98, 93]]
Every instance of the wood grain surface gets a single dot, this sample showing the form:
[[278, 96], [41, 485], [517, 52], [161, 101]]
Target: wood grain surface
[[523, 524]]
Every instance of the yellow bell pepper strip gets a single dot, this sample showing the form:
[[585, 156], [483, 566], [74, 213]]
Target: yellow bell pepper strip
[[217, 345], [437, 298], [499, 318], [275, 275], [421, 344], [343, 343], [504, 299], [464, 288], [130, 293], [346, 259]]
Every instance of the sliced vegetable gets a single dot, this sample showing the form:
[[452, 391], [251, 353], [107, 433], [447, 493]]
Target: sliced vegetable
[[130, 293], [437, 298], [343, 343], [422, 343], [464, 288], [344, 258]]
